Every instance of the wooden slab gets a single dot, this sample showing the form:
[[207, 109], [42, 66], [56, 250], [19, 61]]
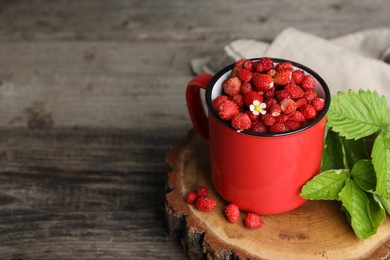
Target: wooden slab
[[316, 230]]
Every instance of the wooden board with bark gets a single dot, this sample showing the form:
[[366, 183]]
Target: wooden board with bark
[[316, 230]]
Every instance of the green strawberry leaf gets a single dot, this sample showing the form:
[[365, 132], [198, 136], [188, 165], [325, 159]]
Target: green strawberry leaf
[[381, 161], [377, 212], [325, 186], [354, 150], [356, 115], [385, 203], [364, 175], [356, 202], [332, 155]]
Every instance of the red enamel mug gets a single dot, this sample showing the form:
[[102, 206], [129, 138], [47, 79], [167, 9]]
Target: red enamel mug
[[259, 172]]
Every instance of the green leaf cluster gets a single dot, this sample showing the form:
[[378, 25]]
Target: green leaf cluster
[[354, 170]]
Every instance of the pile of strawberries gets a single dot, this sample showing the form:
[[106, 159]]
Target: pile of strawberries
[[201, 200], [263, 97]]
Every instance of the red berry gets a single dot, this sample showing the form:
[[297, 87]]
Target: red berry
[[300, 102], [308, 82], [264, 64], [271, 72], [248, 65], [252, 96], [202, 191], [269, 94], [277, 128], [295, 91], [308, 111], [241, 122], [232, 86], [227, 110], [239, 100], [297, 116], [270, 101], [259, 127], [292, 125], [282, 94], [191, 197], [281, 118], [297, 76], [240, 63], [310, 94], [283, 76], [285, 65], [218, 101], [262, 82], [232, 212], [274, 110], [244, 75], [252, 116], [205, 203], [318, 103], [268, 119], [288, 105], [246, 88], [253, 220]]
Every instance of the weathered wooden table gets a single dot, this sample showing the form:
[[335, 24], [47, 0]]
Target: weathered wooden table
[[91, 100]]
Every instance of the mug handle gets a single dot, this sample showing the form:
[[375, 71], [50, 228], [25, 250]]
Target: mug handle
[[195, 106]]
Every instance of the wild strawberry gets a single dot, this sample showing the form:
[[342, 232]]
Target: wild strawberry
[[252, 96], [227, 110], [288, 105], [252, 116], [300, 102], [281, 118], [285, 65], [269, 94], [248, 65], [246, 88], [217, 102], [310, 94], [308, 82], [292, 125], [282, 94], [308, 111], [202, 191], [297, 116], [239, 64], [270, 102], [232, 86], [253, 220], [264, 64], [283, 76], [191, 197], [297, 76], [295, 91], [268, 119], [244, 75], [232, 212], [271, 72], [259, 127], [318, 103], [239, 100], [205, 203], [274, 110], [241, 122], [262, 82], [277, 128]]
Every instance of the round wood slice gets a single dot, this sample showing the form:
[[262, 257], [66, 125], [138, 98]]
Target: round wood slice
[[316, 230]]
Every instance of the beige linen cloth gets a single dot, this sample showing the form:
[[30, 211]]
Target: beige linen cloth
[[354, 61]]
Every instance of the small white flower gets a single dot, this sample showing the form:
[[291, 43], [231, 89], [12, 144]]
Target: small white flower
[[257, 108]]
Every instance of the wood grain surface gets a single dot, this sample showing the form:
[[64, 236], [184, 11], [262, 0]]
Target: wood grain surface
[[91, 100]]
